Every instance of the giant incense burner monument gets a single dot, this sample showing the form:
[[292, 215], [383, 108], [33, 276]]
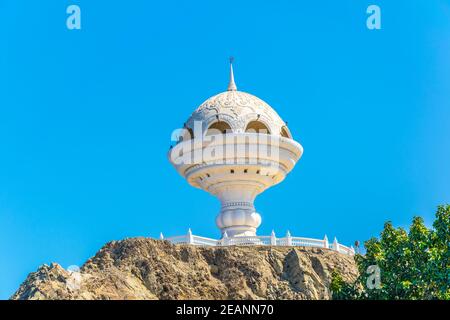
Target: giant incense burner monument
[[235, 146]]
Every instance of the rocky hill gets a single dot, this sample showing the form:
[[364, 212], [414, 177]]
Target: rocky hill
[[142, 268]]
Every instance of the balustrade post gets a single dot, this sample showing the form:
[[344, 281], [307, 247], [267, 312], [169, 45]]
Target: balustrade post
[[335, 244], [325, 242], [225, 239], [190, 237], [273, 239], [288, 238]]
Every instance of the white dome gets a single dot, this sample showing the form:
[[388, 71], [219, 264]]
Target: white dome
[[237, 109]]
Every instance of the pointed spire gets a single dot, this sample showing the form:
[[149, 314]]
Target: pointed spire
[[231, 85]]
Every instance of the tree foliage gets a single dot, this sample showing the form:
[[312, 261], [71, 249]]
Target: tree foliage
[[413, 264]]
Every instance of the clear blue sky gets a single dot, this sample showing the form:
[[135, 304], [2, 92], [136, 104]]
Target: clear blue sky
[[86, 118]]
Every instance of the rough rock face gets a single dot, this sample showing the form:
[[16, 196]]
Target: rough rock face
[[142, 268]]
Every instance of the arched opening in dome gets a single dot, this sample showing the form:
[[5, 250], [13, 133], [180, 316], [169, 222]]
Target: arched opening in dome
[[219, 127], [257, 127], [186, 134], [285, 133]]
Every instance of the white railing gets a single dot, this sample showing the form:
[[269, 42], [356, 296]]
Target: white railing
[[271, 240]]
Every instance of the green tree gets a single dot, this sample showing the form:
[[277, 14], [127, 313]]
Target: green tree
[[413, 265]]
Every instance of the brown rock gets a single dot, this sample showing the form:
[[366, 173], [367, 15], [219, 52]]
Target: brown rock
[[141, 268]]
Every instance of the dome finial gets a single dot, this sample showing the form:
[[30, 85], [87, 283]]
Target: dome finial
[[231, 85]]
